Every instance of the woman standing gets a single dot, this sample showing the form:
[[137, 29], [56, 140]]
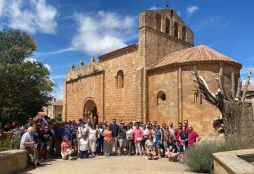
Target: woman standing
[[138, 137], [92, 139], [107, 133]]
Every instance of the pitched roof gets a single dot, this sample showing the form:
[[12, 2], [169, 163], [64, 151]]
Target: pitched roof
[[201, 53], [118, 52]]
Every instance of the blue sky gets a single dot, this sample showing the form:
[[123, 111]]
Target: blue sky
[[69, 31]]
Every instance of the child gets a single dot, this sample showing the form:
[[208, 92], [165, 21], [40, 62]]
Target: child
[[66, 149], [83, 146]]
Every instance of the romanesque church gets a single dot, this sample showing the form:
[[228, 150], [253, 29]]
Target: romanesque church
[[152, 79]]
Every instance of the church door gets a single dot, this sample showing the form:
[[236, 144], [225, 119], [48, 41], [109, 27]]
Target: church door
[[90, 112]]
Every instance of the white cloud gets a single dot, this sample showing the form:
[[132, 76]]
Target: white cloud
[[1, 7], [47, 66], [31, 59], [154, 8], [192, 9], [34, 60], [60, 51], [102, 32], [29, 15]]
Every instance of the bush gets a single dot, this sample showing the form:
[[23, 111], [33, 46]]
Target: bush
[[5, 145], [200, 156]]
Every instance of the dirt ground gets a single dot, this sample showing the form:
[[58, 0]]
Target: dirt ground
[[111, 165]]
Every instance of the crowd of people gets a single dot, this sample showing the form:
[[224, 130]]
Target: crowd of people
[[43, 139]]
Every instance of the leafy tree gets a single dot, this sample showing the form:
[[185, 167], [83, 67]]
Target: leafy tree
[[24, 85]]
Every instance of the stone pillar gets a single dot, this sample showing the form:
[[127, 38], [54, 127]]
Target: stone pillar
[[140, 94], [180, 94]]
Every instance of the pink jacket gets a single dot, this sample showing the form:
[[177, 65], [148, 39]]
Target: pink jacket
[[138, 134]]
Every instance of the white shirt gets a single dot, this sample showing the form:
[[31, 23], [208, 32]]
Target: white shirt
[[26, 138], [83, 144], [92, 134], [129, 134]]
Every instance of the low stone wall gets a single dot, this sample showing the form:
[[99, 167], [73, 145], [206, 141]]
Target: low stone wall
[[232, 163], [12, 161]]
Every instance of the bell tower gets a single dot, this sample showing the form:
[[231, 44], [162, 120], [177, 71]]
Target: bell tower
[[160, 33]]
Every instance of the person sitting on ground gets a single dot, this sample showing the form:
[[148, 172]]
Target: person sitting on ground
[[27, 143], [150, 149], [66, 148], [172, 152]]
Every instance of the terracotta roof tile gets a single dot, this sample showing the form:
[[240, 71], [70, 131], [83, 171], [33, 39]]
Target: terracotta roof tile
[[200, 53]]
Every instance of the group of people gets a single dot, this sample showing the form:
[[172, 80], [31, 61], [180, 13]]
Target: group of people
[[83, 139]]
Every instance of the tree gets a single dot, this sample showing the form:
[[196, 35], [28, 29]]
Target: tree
[[24, 85], [237, 111]]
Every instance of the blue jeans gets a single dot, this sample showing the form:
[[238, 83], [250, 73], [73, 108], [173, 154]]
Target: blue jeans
[[100, 143]]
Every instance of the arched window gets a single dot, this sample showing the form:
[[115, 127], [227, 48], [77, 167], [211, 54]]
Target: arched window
[[120, 79], [167, 30], [184, 34], [161, 98], [176, 30]]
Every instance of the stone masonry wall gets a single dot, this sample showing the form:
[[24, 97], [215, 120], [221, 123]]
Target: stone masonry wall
[[201, 116], [120, 103], [79, 91]]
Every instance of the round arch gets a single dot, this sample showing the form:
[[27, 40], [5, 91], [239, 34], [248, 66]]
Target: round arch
[[90, 111]]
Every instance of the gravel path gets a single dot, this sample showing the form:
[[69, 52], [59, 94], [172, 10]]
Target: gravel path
[[111, 165]]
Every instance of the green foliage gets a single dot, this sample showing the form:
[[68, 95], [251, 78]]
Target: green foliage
[[5, 144], [25, 86], [200, 158]]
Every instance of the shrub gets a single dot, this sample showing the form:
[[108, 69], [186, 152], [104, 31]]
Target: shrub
[[5, 145], [200, 156]]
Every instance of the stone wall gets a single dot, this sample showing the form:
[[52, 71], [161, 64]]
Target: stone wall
[[154, 43], [120, 103], [13, 161], [111, 102], [177, 82], [233, 162], [78, 92]]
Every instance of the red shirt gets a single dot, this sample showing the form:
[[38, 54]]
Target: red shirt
[[65, 146], [192, 138], [177, 134]]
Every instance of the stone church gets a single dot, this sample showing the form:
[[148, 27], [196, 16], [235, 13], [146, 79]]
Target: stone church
[[152, 79]]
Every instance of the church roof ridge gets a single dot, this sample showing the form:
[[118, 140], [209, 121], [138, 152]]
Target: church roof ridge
[[117, 52], [200, 53]]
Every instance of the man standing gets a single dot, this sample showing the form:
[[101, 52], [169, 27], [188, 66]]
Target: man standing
[[115, 132], [193, 137], [122, 138]]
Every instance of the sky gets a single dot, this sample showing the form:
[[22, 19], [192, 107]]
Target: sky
[[70, 31]]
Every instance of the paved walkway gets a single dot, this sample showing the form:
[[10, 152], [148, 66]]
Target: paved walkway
[[111, 165]]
